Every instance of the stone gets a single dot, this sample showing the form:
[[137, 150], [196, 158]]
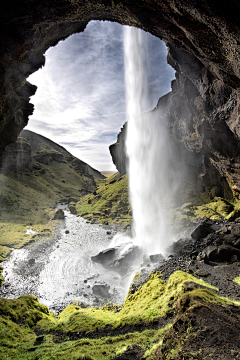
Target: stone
[[202, 230], [109, 232], [66, 231], [81, 304], [119, 257], [101, 290], [31, 261], [156, 258], [72, 209], [59, 215], [202, 273], [106, 256]]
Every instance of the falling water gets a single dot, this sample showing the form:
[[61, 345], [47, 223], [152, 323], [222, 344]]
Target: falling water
[[152, 178]]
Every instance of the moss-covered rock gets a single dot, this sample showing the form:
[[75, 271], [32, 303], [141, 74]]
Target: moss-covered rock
[[110, 202], [146, 318]]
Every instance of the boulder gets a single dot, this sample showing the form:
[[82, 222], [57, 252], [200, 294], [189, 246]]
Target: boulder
[[72, 210], [59, 215], [156, 258], [119, 257], [202, 230], [101, 290]]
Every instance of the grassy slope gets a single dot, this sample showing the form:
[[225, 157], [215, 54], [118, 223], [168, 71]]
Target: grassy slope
[[109, 204], [30, 197], [155, 299]]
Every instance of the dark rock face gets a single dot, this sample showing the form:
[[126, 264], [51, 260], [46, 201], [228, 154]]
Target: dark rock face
[[203, 39], [118, 152]]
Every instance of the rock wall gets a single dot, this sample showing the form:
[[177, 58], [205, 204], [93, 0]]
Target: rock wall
[[118, 151]]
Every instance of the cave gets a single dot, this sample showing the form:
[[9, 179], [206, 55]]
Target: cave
[[202, 115]]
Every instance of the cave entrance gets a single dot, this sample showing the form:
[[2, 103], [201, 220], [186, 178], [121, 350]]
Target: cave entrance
[[80, 101]]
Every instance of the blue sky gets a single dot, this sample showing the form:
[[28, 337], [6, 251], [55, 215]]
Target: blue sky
[[80, 100]]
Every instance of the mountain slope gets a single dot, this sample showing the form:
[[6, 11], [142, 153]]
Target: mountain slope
[[35, 175]]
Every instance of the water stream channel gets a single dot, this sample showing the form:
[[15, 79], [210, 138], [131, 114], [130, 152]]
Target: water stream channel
[[59, 270]]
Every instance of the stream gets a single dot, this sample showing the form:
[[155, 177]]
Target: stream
[[59, 270]]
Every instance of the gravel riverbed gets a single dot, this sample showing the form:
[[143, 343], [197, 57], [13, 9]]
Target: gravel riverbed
[[59, 270]]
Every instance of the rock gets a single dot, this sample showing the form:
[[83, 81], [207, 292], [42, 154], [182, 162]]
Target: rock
[[59, 215], [234, 258], [202, 230], [106, 257], [72, 209], [31, 261], [235, 229], [119, 257], [101, 290], [192, 286], [109, 232], [66, 231], [156, 258], [225, 252], [81, 304], [202, 273]]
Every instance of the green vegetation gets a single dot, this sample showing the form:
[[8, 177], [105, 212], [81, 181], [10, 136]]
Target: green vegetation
[[21, 319], [109, 204], [201, 206], [29, 197]]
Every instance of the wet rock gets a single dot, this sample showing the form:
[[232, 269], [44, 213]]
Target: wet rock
[[119, 257], [101, 290], [156, 258], [66, 231], [59, 215], [106, 257], [72, 210], [31, 261], [202, 230], [81, 304]]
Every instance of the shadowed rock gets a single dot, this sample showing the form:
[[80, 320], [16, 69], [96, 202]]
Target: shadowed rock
[[59, 215]]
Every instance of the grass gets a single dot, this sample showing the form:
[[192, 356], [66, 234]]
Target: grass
[[109, 204], [22, 317]]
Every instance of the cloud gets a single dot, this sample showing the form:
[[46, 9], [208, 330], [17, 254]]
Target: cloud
[[80, 101]]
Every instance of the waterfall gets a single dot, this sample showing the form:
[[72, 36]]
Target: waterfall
[[153, 180]]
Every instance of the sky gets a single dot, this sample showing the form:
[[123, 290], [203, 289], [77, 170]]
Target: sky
[[80, 100]]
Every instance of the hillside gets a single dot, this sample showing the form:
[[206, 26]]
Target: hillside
[[35, 175]]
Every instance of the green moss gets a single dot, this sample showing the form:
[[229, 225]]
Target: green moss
[[237, 280], [109, 204], [152, 300]]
